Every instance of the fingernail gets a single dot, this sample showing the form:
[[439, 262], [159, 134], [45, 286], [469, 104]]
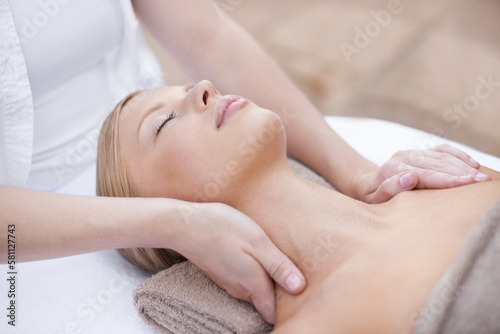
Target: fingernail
[[474, 162], [481, 177], [293, 282], [406, 180]]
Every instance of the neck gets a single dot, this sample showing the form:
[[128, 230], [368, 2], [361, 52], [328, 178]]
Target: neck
[[311, 224]]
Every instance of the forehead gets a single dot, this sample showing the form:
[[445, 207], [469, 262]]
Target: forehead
[[144, 98]]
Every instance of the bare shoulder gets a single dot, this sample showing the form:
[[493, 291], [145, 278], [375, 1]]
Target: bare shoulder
[[495, 175]]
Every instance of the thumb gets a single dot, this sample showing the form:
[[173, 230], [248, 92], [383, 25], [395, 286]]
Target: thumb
[[281, 269], [393, 186]]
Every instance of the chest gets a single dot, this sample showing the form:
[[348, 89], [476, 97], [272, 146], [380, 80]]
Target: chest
[[61, 38]]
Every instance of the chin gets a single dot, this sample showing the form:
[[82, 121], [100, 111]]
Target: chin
[[262, 139]]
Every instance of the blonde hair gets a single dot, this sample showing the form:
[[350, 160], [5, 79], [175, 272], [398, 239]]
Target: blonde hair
[[113, 181]]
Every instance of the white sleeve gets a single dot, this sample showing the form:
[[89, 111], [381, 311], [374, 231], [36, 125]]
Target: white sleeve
[[16, 105]]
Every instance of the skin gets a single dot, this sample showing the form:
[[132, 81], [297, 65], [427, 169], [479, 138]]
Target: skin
[[348, 250]]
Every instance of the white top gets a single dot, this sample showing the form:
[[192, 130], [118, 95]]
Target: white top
[[63, 67]]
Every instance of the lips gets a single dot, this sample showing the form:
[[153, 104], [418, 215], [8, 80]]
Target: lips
[[226, 106]]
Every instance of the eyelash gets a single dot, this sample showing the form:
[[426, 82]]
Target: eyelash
[[164, 121]]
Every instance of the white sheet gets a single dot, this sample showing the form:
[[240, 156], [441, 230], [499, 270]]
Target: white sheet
[[91, 293]]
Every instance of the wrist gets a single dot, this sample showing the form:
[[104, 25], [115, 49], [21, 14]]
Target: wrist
[[150, 223], [171, 224]]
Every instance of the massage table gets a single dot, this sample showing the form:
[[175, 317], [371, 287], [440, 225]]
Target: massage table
[[92, 293]]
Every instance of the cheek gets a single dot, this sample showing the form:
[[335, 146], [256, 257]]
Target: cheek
[[198, 164], [181, 162]]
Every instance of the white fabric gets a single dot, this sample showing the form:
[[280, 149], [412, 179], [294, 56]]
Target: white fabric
[[378, 140], [16, 105], [92, 293], [64, 65]]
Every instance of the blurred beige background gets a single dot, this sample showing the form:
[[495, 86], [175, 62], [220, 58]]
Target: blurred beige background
[[432, 65]]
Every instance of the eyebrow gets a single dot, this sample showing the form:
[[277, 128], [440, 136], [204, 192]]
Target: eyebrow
[[151, 110], [155, 108]]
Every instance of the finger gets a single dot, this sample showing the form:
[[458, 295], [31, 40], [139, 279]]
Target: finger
[[263, 298], [442, 162], [445, 163], [480, 177], [445, 148], [393, 186], [439, 180], [375, 180], [254, 286], [281, 269]]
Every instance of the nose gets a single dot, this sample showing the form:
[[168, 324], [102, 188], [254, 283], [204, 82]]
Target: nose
[[202, 95]]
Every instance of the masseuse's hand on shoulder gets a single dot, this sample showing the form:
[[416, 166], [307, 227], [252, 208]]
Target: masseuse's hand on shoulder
[[440, 167], [237, 255]]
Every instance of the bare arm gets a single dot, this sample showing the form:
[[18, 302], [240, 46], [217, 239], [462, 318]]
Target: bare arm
[[51, 225]]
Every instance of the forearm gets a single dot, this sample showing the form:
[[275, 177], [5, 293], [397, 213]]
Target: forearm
[[51, 225]]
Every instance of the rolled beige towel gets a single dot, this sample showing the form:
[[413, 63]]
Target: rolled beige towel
[[182, 299]]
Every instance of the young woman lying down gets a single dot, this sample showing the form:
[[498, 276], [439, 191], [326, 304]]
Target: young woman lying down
[[369, 268]]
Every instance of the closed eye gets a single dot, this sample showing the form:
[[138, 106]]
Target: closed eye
[[164, 121]]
